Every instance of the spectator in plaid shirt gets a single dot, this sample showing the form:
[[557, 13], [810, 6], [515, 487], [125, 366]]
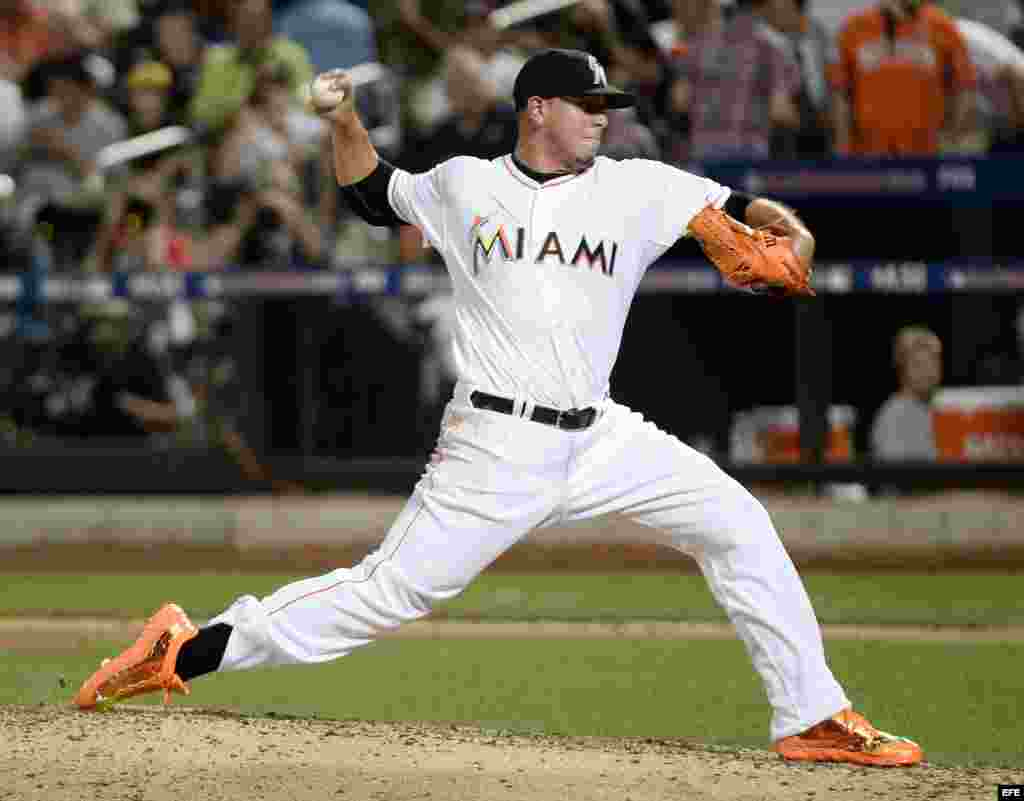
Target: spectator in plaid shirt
[[737, 81]]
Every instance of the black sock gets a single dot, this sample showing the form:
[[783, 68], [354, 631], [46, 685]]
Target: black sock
[[202, 654]]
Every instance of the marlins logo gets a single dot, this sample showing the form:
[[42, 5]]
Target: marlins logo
[[482, 245]]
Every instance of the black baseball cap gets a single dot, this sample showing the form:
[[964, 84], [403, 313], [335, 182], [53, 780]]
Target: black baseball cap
[[566, 73]]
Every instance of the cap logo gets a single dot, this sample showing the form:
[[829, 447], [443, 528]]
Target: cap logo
[[595, 67]]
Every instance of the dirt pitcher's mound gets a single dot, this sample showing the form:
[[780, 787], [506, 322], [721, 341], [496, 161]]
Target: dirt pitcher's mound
[[153, 754]]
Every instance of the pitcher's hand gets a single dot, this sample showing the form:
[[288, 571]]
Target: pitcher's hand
[[331, 95]]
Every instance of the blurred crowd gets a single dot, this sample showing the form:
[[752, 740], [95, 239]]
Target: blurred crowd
[[247, 186], [240, 179]]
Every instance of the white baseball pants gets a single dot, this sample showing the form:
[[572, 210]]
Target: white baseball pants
[[493, 478]]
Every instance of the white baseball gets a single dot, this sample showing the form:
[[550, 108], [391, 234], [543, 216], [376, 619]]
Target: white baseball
[[325, 91]]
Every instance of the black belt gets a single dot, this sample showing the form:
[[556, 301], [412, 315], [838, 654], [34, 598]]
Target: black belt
[[569, 420]]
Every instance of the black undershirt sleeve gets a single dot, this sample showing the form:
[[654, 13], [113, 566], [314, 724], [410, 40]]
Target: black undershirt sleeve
[[368, 198], [736, 205]]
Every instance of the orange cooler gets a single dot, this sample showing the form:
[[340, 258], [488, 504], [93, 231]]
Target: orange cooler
[[979, 424], [771, 435]]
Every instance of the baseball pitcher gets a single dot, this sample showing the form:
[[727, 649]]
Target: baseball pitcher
[[545, 247]]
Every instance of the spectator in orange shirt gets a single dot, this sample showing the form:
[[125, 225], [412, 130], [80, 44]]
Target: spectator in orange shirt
[[903, 78], [27, 36]]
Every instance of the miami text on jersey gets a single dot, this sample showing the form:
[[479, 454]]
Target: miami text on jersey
[[484, 245]]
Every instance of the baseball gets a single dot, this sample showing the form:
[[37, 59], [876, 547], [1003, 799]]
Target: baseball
[[327, 90]]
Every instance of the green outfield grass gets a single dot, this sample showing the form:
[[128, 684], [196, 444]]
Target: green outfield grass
[[942, 598], [964, 703]]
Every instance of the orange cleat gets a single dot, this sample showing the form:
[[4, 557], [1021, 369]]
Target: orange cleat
[[145, 667], [848, 737]]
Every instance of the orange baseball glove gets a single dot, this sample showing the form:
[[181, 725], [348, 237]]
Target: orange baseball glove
[[750, 258]]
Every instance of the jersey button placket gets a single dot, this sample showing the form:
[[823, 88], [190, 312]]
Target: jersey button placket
[[540, 223]]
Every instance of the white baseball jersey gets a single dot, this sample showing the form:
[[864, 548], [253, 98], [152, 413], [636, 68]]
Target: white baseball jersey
[[544, 274]]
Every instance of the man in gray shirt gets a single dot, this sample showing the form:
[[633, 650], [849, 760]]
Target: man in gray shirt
[[67, 130], [902, 430]]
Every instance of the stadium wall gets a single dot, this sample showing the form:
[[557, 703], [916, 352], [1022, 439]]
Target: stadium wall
[[970, 529]]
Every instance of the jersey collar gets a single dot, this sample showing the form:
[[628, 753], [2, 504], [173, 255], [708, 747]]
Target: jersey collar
[[525, 179]]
